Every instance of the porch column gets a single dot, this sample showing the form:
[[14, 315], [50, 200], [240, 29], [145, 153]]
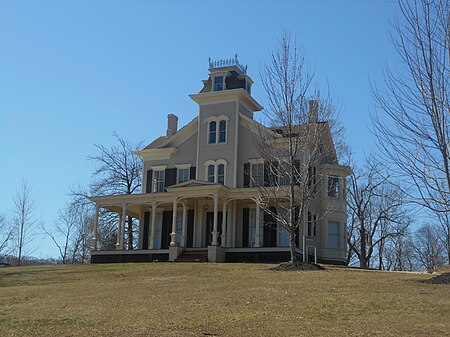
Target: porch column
[[230, 222], [152, 229], [173, 235], [224, 223], [95, 231], [119, 222], [214, 233], [257, 233], [183, 228], [122, 226]]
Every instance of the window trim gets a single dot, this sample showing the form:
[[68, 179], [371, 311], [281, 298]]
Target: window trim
[[334, 194], [252, 180], [183, 167], [214, 83], [216, 164], [155, 180], [338, 235], [217, 119]]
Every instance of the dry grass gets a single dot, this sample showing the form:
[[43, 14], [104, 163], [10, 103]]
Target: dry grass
[[164, 299]]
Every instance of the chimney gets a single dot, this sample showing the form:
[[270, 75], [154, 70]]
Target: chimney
[[313, 117], [172, 125]]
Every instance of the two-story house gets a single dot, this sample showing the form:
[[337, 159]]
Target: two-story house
[[200, 182]]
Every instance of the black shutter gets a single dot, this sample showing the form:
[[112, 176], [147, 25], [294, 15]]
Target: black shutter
[[170, 177], [146, 230], [149, 184], [247, 175], [267, 170], [190, 228], [192, 172], [271, 173], [245, 225]]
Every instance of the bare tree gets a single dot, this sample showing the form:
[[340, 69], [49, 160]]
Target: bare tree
[[23, 219], [376, 213], [6, 235], [118, 172], [429, 250], [399, 253], [295, 142], [413, 125]]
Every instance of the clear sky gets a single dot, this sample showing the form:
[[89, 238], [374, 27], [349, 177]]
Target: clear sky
[[73, 72]]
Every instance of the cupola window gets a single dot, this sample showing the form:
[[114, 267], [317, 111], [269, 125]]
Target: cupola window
[[218, 83]]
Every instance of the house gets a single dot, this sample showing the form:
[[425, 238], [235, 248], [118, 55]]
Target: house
[[200, 182]]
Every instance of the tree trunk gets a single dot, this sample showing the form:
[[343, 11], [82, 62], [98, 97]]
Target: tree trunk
[[362, 257], [292, 247]]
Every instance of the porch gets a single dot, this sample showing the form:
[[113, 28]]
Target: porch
[[195, 216]]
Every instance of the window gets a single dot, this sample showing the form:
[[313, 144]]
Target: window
[[211, 173], [217, 129], [212, 132], [284, 174], [333, 187], [257, 175], [215, 171], [222, 131], [159, 181], [218, 83], [312, 222], [183, 175], [333, 234], [221, 174], [179, 227]]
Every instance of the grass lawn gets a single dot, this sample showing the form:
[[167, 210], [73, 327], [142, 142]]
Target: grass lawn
[[182, 299]]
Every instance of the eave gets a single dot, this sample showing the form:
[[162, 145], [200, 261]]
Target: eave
[[232, 95], [156, 154]]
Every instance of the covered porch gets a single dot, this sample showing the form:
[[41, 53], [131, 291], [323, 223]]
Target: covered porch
[[195, 216]]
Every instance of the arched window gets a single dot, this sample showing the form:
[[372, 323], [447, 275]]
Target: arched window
[[212, 132], [221, 174], [211, 173], [222, 131]]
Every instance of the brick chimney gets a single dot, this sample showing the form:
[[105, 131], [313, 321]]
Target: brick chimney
[[172, 125]]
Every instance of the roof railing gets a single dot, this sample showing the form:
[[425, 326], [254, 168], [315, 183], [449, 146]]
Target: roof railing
[[227, 63]]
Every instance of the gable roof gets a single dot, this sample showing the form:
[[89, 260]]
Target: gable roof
[[178, 138]]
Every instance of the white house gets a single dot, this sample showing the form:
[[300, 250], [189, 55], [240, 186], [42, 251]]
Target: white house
[[199, 183]]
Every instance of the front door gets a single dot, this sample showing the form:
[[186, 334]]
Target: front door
[[210, 227]]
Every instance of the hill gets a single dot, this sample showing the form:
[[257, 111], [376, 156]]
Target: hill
[[182, 299]]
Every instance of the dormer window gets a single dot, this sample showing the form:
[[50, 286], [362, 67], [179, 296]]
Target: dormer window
[[218, 83]]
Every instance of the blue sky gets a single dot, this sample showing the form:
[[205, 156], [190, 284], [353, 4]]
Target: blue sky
[[73, 72]]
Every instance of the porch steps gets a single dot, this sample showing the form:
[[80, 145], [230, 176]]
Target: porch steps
[[193, 256]]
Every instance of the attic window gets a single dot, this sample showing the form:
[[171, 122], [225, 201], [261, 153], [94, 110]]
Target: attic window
[[218, 83]]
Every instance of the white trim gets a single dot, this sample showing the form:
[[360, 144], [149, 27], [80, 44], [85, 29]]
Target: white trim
[[183, 166], [236, 141], [216, 118], [216, 164], [256, 161], [158, 168]]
